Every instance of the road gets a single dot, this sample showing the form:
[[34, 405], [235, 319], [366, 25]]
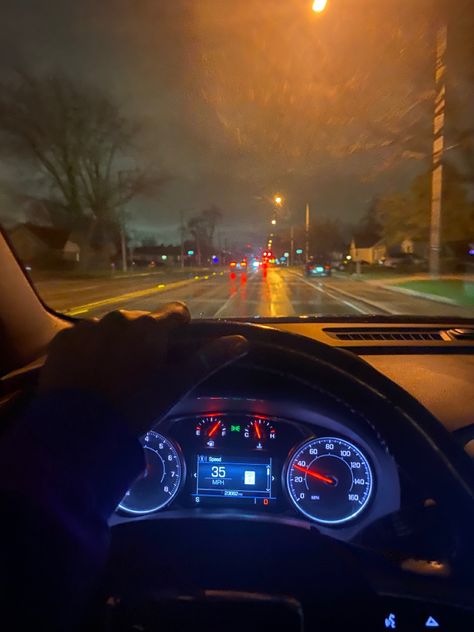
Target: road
[[219, 294]]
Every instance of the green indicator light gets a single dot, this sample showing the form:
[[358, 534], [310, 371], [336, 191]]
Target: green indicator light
[[235, 428]]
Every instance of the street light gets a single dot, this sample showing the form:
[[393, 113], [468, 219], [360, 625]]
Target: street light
[[274, 221], [278, 200], [319, 5]]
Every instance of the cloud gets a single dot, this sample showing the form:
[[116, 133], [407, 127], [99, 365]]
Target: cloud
[[238, 103]]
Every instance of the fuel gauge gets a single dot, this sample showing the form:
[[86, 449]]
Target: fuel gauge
[[211, 428]]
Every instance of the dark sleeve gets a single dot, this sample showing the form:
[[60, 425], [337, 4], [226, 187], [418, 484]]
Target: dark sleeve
[[63, 469]]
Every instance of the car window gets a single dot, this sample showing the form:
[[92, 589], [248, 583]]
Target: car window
[[252, 158]]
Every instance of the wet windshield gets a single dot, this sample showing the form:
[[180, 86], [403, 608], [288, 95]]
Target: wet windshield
[[252, 158]]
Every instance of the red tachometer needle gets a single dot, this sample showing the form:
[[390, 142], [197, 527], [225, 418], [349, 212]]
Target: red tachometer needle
[[214, 428], [320, 477], [257, 430]]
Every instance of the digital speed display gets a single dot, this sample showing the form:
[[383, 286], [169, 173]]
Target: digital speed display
[[241, 478]]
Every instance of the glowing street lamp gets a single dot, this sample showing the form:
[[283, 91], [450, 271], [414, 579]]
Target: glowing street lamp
[[319, 5], [274, 222], [278, 200]]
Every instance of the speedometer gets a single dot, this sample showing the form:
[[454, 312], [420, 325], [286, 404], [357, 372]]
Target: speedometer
[[329, 480], [161, 479]]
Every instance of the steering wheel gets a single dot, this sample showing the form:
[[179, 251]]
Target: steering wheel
[[158, 563]]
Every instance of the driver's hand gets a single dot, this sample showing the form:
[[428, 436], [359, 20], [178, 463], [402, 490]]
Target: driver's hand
[[123, 357]]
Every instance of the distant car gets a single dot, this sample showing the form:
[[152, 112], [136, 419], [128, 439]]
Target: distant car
[[317, 269], [238, 265], [402, 259]]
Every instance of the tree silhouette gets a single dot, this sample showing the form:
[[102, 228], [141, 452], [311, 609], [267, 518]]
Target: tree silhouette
[[77, 140]]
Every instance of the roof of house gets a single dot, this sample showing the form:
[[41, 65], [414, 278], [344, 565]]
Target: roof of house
[[54, 238], [367, 243]]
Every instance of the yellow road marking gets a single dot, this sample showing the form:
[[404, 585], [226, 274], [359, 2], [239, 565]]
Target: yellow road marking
[[81, 309]]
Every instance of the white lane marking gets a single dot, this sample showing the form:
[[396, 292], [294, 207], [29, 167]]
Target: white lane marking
[[336, 298], [81, 289], [223, 307], [234, 297]]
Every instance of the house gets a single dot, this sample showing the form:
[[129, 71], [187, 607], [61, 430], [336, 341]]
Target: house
[[34, 243], [367, 251], [43, 245], [416, 247], [71, 251]]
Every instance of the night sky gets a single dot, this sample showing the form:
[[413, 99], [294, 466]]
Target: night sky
[[244, 98]]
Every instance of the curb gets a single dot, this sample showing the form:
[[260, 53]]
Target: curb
[[430, 297]]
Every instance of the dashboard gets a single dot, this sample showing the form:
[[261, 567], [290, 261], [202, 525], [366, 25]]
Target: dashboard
[[335, 476]]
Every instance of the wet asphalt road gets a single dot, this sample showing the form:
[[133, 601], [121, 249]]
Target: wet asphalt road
[[222, 294]]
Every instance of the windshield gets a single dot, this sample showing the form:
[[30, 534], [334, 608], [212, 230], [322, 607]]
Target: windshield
[[254, 159]]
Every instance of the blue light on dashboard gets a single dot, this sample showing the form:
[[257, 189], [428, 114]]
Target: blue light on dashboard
[[234, 477]]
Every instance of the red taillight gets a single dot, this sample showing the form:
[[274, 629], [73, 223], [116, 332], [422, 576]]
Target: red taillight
[[327, 267]]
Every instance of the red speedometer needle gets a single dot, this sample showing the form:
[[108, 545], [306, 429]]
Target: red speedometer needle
[[257, 430], [214, 428], [320, 477]]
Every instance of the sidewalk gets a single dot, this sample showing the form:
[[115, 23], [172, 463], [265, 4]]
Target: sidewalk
[[385, 296], [449, 289]]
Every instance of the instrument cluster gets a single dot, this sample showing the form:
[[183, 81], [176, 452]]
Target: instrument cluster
[[255, 463]]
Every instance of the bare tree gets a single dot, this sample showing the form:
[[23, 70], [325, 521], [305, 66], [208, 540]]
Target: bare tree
[[202, 228], [76, 138]]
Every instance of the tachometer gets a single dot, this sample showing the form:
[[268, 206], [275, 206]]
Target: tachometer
[[160, 481], [329, 480]]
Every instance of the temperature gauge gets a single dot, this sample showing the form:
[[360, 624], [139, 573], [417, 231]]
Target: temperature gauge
[[211, 429], [260, 429]]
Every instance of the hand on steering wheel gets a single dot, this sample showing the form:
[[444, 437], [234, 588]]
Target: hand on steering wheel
[[132, 367]]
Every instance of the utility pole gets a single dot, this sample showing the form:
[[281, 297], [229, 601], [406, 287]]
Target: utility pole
[[438, 146], [123, 240], [292, 245], [123, 244], [182, 239], [307, 233]]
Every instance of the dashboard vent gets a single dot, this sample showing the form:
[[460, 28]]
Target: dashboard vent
[[465, 333], [388, 335]]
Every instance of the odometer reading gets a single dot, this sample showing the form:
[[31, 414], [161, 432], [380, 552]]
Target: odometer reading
[[160, 481], [329, 480]]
